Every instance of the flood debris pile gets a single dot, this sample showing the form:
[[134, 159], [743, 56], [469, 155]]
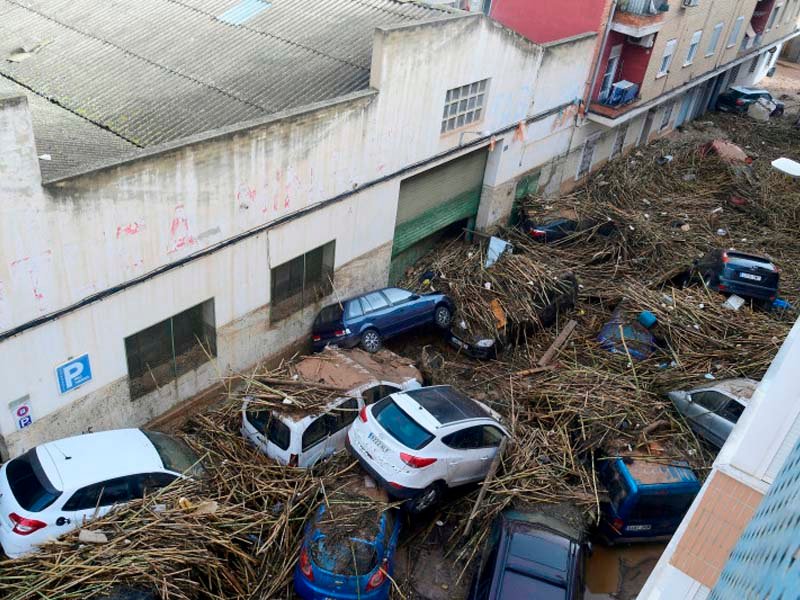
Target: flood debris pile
[[504, 300], [233, 534]]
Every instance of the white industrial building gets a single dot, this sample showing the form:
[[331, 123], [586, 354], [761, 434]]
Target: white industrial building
[[183, 185]]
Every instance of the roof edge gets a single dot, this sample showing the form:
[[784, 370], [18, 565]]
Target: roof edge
[[568, 40], [214, 134]]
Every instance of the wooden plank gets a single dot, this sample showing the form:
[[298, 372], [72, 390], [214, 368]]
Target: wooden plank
[[558, 343]]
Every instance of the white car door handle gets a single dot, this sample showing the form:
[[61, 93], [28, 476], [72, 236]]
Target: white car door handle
[[485, 457]]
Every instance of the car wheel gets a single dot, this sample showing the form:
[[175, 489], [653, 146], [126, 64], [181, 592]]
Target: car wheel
[[371, 341], [443, 317], [428, 498]]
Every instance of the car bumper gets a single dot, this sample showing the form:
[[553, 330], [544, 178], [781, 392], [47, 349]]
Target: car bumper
[[308, 591], [14, 548], [399, 492], [749, 290]]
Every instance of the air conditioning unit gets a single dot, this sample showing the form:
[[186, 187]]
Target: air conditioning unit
[[688, 3], [622, 92], [646, 41]]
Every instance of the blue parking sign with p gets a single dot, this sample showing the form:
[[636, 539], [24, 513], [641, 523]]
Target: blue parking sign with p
[[73, 373]]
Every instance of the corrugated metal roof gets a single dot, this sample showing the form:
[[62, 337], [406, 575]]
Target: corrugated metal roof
[[155, 71]]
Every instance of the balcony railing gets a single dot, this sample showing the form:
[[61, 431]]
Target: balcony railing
[[644, 7]]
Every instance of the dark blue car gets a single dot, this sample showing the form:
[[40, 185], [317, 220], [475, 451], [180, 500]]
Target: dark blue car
[[353, 566], [531, 555], [369, 319], [732, 272]]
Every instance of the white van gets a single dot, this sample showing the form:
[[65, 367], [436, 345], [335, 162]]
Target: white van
[[298, 439]]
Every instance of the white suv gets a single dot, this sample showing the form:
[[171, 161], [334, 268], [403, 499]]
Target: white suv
[[417, 443], [53, 488]]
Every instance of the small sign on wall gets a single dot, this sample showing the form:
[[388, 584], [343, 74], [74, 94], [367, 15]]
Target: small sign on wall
[[74, 373], [22, 412]]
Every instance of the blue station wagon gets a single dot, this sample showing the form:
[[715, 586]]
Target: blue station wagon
[[369, 319]]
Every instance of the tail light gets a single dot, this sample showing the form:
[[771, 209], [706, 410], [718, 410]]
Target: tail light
[[362, 414], [725, 257], [293, 460], [316, 338], [722, 287], [617, 524], [538, 233], [378, 578], [305, 565], [416, 462], [23, 526], [340, 332], [740, 102]]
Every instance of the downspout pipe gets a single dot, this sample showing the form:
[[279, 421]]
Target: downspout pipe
[[603, 44]]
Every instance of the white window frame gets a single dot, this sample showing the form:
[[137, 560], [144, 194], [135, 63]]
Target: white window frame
[[612, 66], [733, 37], [694, 46], [666, 58], [465, 103], [787, 14], [715, 35]]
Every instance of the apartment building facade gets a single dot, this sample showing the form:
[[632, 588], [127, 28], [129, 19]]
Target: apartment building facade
[[658, 63], [169, 219]]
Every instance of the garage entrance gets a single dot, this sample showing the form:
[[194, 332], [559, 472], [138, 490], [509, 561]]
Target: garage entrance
[[433, 205]]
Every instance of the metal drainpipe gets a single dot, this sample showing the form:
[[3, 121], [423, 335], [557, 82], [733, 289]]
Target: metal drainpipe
[[611, 14]]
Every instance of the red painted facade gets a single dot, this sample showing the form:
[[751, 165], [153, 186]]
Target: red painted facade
[[761, 15], [632, 65], [547, 20]]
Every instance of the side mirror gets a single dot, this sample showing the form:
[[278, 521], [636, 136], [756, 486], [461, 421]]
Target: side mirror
[[689, 398]]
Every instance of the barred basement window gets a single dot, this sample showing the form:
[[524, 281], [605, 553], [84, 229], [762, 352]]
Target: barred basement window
[[302, 281], [619, 141], [464, 105], [165, 351]]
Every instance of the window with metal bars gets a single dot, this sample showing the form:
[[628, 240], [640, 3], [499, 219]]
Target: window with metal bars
[[165, 351], [301, 281]]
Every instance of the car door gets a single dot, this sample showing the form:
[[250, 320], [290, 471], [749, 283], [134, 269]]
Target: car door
[[93, 501], [729, 415], [314, 441], [473, 449], [380, 313], [407, 309]]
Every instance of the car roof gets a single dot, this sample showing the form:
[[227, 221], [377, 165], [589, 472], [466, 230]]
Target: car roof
[[537, 553], [82, 460], [740, 388], [652, 473], [446, 404]]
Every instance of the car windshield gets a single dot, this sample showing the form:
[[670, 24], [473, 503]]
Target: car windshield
[[520, 585], [350, 557], [400, 426], [268, 424], [175, 454], [329, 314], [29, 484]]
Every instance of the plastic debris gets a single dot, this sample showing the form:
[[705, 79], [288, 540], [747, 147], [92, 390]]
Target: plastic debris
[[92, 537], [734, 302]]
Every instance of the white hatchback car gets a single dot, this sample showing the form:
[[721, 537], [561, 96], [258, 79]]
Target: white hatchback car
[[300, 439], [53, 488], [416, 444]]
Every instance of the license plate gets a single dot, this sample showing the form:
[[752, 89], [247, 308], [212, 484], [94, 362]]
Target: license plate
[[750, 276], [375, 440], [638, 527]]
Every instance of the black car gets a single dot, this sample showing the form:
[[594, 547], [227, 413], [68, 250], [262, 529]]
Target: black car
[[369, 319], [557, 229], [738, 100], [732, 272], [531, 555]]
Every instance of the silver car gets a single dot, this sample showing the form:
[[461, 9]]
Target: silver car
[[712, 411]]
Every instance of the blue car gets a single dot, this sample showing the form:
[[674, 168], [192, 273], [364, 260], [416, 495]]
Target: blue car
[[646, 500], [369, 319], [732, 272], [356, 565], [621, 336]]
